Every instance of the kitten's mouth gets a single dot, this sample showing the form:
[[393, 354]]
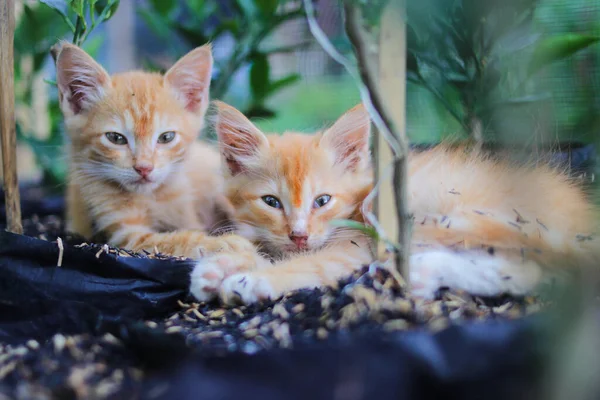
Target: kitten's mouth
[[292, 248], [143, 181]]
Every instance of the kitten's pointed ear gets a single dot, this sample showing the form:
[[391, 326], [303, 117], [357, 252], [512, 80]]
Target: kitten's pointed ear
[[190, 78], [241, 142], [81, 81], [349, 137]]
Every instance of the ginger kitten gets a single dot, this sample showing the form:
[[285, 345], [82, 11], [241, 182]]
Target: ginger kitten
[[137, 173], [480, 225], [285, 190]]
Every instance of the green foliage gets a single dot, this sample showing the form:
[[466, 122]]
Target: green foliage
[[38, 29], [98, 10], [368, 230], [248, 22], [371, 11], [488, 55], [558, 47], [346, 223]]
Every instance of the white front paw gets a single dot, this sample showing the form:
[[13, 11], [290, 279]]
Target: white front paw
[[209, 272], [206, 279], [246, 287]]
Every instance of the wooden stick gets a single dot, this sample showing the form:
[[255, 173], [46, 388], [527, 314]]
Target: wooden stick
[[386, 82], [8, 133], [392, 199]]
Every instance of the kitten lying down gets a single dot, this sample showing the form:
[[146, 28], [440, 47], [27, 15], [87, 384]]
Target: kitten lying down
[[479, 225], [138, 176]]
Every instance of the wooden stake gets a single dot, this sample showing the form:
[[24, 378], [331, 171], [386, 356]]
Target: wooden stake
[[383, 74], [8, 133], [392, 199]]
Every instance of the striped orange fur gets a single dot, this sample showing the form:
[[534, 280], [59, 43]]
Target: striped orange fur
[[297, 170], [481, 225], [143, 192]]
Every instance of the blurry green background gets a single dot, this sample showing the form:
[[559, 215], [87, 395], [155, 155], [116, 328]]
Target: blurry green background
[[471, 66]]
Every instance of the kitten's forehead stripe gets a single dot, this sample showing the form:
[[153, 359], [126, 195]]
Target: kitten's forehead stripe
[[295, 164], [141, 104]]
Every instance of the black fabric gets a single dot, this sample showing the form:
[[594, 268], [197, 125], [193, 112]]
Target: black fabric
[[485, 360], [38, 299], [492, 360]]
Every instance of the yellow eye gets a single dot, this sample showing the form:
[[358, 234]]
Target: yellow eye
[[166, 137], [116, 138]]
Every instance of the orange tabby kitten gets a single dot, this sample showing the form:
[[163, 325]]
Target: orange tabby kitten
[[137, 172], [479, 225], [285, 191]]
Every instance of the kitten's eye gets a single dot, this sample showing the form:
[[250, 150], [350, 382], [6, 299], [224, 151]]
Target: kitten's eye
[[321, 201], [166, 137], [272, 201], [116, 138]]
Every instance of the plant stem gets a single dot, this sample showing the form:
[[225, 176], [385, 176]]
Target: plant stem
[[241, 53], [387, 89], [77, 31], [476, 131]]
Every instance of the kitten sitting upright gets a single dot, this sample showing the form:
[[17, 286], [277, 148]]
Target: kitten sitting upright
[[480, 225], [137, 174]]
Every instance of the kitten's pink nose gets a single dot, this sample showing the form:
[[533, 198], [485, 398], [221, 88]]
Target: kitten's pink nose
[[143, 169], [299, 239]]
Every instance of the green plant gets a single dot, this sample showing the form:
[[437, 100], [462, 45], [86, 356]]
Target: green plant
[[478, 57], [249, 23], [38, 29], [87, 15]]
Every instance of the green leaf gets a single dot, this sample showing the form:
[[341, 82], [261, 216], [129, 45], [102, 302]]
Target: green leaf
[[78, 7], [92, 46], [61, 6], [558, 48], [163, 7], [111, 9], [197, 6], [283, 82], [192, 35], [412, 63], [259, 111], [156, 23], [227, 25], [267, 7], [259, 76], [372, 10], [106, 8], [247, 7], [517, 101], [346, 223]]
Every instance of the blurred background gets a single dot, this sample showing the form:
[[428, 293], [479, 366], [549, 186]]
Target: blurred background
[[517, 73]]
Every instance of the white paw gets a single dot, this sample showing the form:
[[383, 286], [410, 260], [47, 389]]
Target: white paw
[[209, 272], [206, 279], [246, 287]]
